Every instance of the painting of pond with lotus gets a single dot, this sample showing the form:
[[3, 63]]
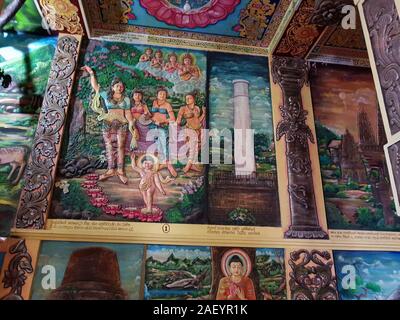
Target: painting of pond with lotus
[[351, 137]]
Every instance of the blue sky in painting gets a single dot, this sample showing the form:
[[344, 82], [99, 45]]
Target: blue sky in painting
[[223, 27], [273, 253], [161, 253], [227, 67], [57, 254], [382, 268]]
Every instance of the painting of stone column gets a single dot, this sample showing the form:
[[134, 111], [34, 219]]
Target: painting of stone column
[[351, 141], [242, 174], [88, 271], [368, 275]]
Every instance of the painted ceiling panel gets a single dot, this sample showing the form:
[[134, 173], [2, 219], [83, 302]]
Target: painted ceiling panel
[[233, 22]]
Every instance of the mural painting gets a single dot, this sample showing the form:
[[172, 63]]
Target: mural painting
[[243, 181], [368, 275], [28, 59], [136, 109], [351, 138], [88, 271], [198, 273]]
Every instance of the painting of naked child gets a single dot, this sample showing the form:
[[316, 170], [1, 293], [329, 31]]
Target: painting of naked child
[[132, 140]]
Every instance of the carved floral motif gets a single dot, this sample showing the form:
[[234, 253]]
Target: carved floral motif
[[61, 15], [328, 12], [254, 20], [116, 11], [39, 174], [300, 35], [384, 29]]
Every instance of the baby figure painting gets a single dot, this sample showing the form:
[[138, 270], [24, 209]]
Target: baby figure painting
[[151, 179]]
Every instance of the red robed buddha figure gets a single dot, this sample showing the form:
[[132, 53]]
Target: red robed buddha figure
[[236, 286]]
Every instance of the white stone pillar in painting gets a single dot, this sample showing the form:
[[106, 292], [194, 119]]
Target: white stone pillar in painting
[[245, 163]]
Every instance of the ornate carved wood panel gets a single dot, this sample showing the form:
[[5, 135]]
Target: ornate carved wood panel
[[384, 30], [62, 15], [311, 275], [15, 274], [291, 74], [39, 174]]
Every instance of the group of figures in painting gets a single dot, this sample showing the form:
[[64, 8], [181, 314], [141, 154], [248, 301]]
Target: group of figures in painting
[[130, 126], [108, 170], [138, 121]]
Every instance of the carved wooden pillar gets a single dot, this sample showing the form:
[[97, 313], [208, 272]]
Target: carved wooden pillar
[[40, 172], [381, 26], [291, 74]]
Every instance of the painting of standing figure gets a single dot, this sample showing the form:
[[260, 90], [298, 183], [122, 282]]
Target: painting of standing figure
[[242, 177], [368, 275], [351, 137], [133, 142]]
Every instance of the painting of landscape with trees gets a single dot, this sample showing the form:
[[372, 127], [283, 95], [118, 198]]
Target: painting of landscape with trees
[[351, 137]]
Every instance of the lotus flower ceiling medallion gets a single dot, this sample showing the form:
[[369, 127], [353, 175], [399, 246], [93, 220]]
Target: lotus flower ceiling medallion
[[190, 13]]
